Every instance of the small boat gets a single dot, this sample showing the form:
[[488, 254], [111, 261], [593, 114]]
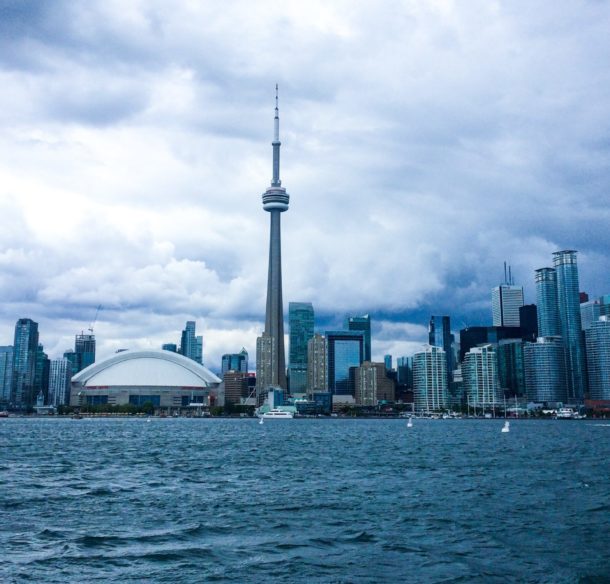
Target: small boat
[[506, 427], [410, 423], [4, 414], [276, 414], [260, 421]]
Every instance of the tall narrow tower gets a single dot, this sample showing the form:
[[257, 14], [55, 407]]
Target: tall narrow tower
[[275, 202]]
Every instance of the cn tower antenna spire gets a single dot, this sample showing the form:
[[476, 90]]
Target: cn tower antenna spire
[[276, 182]]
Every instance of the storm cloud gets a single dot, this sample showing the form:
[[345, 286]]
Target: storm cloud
[[423, 144]]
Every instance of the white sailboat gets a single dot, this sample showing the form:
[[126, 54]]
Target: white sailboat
[[506, 427], [410, 423]]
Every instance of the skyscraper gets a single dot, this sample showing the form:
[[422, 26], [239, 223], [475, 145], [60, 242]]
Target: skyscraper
[[511, 369], [301, 324], [275, 202], [372, 384], [545, 371], [546, 301], [480, 376], [317, 367], [528, 318], [598, 358], [361, 323], [430, 391], [345, 350], [24, 362], [84, 347], [235, 361], [191, 346], [569, 316], [60, 374], [506, 300], [6, 374], [439, 335]]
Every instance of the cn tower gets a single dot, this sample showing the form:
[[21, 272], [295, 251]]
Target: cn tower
[[275, 202]]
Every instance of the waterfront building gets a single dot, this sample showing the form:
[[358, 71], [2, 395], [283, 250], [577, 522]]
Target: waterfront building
[[439, 335], [569, 315], [430, 392], [474, 336], [24, 363], [170, 347], [166, 380], [191, 345], [511, 367], [60, 375], [6, 374], [598, 358], [547, 303], [590, 311], [528, 319], [372, 384], [545, 370], [275, 202], [506, 300], [317, 364], [235, 386], [235, 361], [345, 350], [480, 376], [361, 323], [301, 325], [265, 359]]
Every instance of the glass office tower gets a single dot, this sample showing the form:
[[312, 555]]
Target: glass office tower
[[546, 302], [439, 335], [300, 324], [569, 315], [361, 323], [345, 350]]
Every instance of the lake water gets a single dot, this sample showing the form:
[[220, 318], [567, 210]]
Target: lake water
[[220, 500]]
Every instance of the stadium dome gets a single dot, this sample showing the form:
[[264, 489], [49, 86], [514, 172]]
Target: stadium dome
[[163, 378]]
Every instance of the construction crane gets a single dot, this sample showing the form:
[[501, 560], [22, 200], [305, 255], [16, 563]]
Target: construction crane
[[95, 319]]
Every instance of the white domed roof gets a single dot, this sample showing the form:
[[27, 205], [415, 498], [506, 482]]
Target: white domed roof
[[147, 368]]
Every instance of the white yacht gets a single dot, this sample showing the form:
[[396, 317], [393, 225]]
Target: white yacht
[[565, 414], [276, 414]]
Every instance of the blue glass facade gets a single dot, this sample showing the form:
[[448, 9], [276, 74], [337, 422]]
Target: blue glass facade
[[301, 327], [598, 358], [345, 350], [361, 323], [24, 362], [546, 301], [439, 335], [235, 362], [545, 371], [569, 315]]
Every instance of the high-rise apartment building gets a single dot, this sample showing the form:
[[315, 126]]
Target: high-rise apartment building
[[301, 325], [545, 370], [361, 323], [275, 202], [265, 358], [569, 315], [345, 351], [549, 324], [506, 300], [24, 363], [6, 374], [235, 361], [480, 377], [60, 374], [439, 335], [317, 364], [430, 391], [372, 384], [598, 358]]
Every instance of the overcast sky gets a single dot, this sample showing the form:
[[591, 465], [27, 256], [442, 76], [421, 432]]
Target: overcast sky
[[423, 144]]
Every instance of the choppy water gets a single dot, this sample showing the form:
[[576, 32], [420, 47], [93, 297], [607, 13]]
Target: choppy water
[[304, 501]]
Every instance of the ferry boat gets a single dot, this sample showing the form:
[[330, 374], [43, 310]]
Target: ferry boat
[[276, 414], [565, 414]]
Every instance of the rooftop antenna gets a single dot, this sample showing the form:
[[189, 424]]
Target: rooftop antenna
[[505, 280], [510, 278]]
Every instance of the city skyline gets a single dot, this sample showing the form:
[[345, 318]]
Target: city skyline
[[132, 159]]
